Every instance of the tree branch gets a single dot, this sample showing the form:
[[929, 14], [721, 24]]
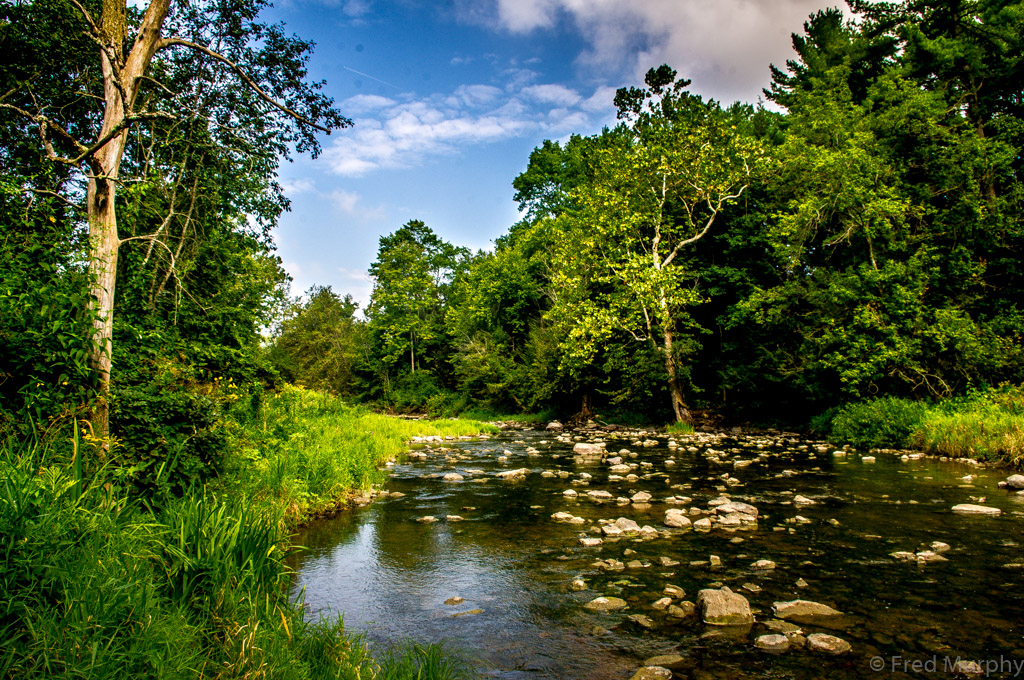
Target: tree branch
[[168, 42]]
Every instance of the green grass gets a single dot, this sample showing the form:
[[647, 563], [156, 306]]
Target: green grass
[[411, 661], [306, 449], [98, 582], [986, 424], [679, 428]]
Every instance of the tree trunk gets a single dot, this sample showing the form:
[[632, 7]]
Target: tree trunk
[[121, 78], [679, 408], [103, 247]]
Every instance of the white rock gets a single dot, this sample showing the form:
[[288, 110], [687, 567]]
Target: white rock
[[968, 509]]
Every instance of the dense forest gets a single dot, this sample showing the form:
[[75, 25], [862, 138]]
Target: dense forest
[[859, 236], [854, 243]]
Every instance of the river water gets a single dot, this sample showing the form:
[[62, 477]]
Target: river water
[[512, 564]]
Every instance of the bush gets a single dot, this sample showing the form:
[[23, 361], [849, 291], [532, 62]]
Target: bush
[[883, 422]]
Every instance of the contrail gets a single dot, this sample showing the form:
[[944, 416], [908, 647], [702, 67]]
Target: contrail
[[366, 75]]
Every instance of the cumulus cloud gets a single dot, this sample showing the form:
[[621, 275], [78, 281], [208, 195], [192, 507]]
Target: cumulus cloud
[[724, 46], [405, 132], [552, 94]]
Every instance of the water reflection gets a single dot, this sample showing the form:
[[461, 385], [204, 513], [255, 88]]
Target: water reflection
[[391, 575]]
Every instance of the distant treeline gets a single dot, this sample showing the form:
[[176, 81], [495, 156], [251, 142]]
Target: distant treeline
[[862, 238]]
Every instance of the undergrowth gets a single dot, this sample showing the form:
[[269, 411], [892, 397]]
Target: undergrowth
[[986, 424], [99, 581]]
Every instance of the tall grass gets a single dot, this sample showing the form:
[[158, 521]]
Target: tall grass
[[96, 582], [306, 448], [986, 424]]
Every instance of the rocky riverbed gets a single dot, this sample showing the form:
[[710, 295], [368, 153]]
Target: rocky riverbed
[[596, 554]]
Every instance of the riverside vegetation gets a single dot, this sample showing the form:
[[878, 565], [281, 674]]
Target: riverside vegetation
[[848, 262]]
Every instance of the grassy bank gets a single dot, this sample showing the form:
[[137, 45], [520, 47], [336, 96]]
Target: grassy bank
[[98, 580], [987, 424]]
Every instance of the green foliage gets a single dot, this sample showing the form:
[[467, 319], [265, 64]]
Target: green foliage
[[44, 323], [320, 344], [307, 449], [679, 428], [412, 277], [882, 422], [986, 424], [95, 583], [412, 661]]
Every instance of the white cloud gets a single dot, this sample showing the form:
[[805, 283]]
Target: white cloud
[[364, 103], [552, 94], [356, 8], [406, 131], [351, 205], [523, 16], [724, 46], [297, 186]]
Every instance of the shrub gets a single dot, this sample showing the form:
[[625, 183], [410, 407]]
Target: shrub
[[886, 421]]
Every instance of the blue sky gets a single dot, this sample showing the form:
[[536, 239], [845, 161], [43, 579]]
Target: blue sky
[[449, 97]]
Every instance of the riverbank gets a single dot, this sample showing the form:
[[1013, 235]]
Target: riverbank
[[987, 425], [99, 580]]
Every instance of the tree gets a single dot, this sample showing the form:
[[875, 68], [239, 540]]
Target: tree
[[618, 267], [146, 79], [412, 275], [320, 342]]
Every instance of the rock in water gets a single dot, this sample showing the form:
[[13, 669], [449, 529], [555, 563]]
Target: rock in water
[[827, 644], [724, 607], [736, 507], [554, 426], [652, 673], [803, 608], [513, 474], [627, 525], [605, 604], [772, 643], [585, 449], [453, 477], [1015, 482], [968, 509], [674, 517]]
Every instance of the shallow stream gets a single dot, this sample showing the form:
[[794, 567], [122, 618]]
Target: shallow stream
[[513, 565]]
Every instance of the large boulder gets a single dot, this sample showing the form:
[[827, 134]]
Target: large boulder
[[772, 642], [1015, 482], [513, 474], [554, 426], [627, 526], [724, 608]]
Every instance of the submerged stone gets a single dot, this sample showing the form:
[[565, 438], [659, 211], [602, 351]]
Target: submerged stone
[[827, 644], [606, 604]]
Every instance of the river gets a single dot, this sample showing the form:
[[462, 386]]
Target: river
[[496, 548]]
